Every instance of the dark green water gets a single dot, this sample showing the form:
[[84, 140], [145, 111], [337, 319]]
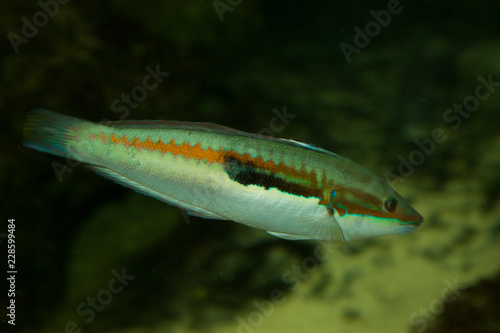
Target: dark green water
[[409, 89]]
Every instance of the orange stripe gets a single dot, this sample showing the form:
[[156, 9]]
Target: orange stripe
[[103, 138], [210, 155], [184, 149], [354, 208]]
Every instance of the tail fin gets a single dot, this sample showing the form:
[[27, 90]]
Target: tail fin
[[50, 132]]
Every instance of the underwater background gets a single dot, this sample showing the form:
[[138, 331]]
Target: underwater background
[[408, 89]]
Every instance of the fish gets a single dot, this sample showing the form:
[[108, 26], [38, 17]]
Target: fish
[[291, 189]]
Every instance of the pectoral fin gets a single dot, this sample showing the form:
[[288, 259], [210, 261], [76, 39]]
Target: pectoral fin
[[327, 228]]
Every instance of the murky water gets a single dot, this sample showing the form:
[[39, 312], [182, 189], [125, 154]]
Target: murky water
[[408, 89]]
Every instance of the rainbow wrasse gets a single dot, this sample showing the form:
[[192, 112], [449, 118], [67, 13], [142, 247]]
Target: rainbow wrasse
[[291, 189]]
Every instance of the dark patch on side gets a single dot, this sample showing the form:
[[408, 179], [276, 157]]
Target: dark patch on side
[[246, 173]]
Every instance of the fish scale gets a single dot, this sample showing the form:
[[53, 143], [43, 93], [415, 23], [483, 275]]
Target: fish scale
[[291, 189]]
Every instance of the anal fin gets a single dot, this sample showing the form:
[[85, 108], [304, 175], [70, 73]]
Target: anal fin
[[127, 182], [288, 236]]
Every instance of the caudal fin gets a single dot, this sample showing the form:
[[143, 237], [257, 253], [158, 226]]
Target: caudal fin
[[50, 132]]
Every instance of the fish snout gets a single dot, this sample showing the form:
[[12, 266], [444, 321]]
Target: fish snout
[[418, 220], [414, 222]]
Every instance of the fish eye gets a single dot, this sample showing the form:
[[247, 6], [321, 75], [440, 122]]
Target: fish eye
[[391, 205]]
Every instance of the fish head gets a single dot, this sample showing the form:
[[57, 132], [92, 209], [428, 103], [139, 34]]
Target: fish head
[[369, 207]]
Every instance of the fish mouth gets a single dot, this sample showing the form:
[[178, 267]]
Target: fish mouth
[[407, 228], [412, 225], [415, 224], [419, 220], [415, 220]]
